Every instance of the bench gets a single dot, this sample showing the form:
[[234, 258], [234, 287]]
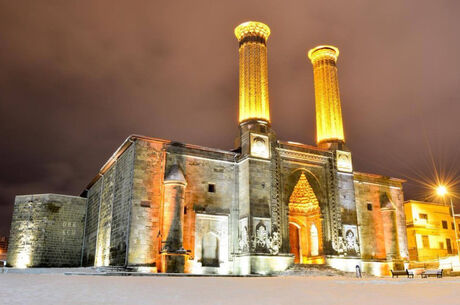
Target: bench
[[427, 273], [397, 273]]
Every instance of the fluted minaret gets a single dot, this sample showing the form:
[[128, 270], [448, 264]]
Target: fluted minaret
[[329, 127], [254, 105]]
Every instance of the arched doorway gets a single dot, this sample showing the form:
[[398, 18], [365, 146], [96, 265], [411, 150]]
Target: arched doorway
[[305, 224], [210, 250], [294, 240]]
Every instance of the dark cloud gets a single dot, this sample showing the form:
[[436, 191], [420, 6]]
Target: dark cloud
[[77, 77]]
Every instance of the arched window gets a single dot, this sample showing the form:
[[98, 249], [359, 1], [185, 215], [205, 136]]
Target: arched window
[[210, 250], [314, 242]]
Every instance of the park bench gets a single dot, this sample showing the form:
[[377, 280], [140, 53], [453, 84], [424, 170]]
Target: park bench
[[397, 273], [436, 272]]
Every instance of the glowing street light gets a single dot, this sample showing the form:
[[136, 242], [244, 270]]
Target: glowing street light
[[441, 190]]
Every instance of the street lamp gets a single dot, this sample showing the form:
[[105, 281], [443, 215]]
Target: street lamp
[[441, 190]]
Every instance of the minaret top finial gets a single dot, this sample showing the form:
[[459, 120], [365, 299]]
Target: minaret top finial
[[252, 28], [323, 51]]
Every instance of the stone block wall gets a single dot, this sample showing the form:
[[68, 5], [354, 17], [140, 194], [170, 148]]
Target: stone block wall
[[47, 231], [121, 207], [374, 194], [107, 214], [147, 195], [211, 190], [92, 218]]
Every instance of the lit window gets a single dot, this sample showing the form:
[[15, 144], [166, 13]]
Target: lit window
[[423, 217]]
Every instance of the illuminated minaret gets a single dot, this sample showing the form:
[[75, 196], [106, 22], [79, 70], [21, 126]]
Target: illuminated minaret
[[254, 105], [259, 205], [329, 127]]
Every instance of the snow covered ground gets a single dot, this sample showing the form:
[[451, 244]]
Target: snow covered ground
[[63, 289]]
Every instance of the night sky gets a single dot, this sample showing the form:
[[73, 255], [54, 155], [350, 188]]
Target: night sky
[[78, 77]]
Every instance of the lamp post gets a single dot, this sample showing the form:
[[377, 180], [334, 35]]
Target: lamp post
[[442, 191]]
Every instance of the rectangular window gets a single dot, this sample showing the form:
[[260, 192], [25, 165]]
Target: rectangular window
[[449, 246], [453, 226], [211, 188], [426, 241], [145, 204], [423, 216], [444, 224], [441, 245], [369, 206]]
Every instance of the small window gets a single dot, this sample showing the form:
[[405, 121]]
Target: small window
[[423, 217], [185, 210], [453, 226], [425, 242], [145, 204], [449, 246], [444, 224], [211, 188], [369, 206], [441, 245]]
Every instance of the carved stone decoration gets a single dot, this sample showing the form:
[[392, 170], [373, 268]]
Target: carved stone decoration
[[302, 156], [276, 195], [335, 218], [274, 245], [243, 236], [343, 159], [348, 243], [261, 237], [259, 146], [303, 198], [262, 231]]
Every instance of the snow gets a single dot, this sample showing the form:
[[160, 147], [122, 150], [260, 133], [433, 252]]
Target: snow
[[49, 288]]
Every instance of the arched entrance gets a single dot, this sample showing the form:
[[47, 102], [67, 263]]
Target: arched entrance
[[294, 240], [305, 224]]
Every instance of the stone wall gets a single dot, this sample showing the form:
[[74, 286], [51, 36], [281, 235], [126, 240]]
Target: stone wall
[[121, 207], [47, 230], [374, 196], [211, 190], [107, 214], [92, 218], [144, 240]]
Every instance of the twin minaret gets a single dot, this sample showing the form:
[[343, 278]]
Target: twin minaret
[[254, 97]]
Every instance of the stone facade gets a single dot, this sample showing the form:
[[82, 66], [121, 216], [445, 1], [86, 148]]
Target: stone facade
[[47, 230], [174, 207], [381, 217]]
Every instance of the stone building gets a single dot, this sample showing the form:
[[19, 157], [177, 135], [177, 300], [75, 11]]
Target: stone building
[[258, 208], [430, 230]]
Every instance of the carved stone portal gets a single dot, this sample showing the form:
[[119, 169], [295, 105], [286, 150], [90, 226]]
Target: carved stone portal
[[305, 224]]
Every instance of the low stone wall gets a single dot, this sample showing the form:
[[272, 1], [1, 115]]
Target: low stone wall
[[46, 230]]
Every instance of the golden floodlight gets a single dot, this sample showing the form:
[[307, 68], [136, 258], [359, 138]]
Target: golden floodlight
[[441, 190], [254, 99], [329, 126]]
